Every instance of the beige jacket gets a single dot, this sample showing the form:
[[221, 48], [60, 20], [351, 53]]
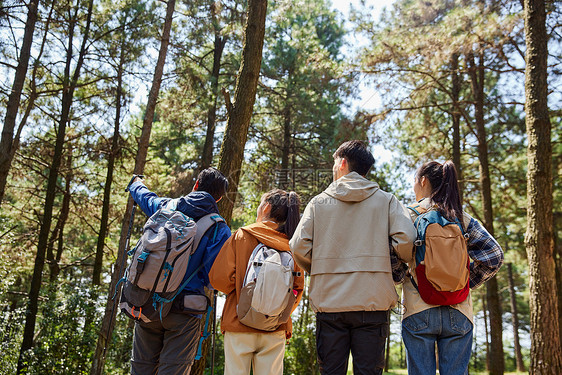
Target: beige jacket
[[343, 241]]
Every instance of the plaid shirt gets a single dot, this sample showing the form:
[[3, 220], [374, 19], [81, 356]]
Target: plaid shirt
[[484, 251]]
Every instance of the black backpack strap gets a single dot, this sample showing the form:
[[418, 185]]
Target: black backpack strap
[[413, 281]]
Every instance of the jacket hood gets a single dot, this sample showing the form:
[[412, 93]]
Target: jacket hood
[[265, 233], [352, 188], [197, 204]]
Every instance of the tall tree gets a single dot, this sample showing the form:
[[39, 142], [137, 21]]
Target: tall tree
[[456, 117], [108, 322], [6, 142], [70, 83], [299, 113], [98, 262], [58, 232], [219, 43], [206, 55], [124, 51], [477, 76], [239, 112], [515, 320], [558, 263], [546, 357]]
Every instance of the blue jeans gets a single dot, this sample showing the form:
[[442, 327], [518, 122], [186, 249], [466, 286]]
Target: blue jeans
[[450, 329]]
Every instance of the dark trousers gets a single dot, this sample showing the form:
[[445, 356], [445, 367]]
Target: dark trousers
[[165, 347], [363, 333]]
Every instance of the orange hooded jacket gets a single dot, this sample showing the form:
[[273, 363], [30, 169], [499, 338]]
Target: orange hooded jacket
[[229, 269]]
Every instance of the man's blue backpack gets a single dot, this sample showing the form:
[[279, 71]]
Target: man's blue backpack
[[441, 258]]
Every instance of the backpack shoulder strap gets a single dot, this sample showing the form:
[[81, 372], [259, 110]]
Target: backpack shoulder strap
[[418, 212], [418, 209], [171, 205], [203, 225], [251, 263], [414, 209]]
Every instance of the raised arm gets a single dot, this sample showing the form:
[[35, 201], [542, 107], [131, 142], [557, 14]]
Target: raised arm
[[148, 201]]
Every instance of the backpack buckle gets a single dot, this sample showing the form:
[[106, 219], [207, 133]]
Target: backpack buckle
[[418, 243]]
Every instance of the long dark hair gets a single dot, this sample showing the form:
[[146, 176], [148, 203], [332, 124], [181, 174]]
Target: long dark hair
[[444, 187], [285, 208]]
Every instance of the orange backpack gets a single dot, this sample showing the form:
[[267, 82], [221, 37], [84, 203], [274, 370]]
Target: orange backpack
[[442, 262]]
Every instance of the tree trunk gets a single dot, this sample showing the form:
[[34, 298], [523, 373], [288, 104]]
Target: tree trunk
[[6, 142], [497, 361], [387, 356], [286, 148], [485, 311], [68, 92], [494, 307], [33, 94], [240, 112], [456, 117], [220, 42], [108, 322], [58, 232], [154, 90], [546, 356], [558, 265], [515, 321], [199, 366], [98, 263]]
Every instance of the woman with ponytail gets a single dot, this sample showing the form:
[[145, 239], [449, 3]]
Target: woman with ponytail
[[450, 327], [246, 347]]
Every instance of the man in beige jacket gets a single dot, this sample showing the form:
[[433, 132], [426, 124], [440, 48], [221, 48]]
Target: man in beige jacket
[[345, 240]]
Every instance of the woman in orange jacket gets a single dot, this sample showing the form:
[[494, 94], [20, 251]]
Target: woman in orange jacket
[[245, 347]]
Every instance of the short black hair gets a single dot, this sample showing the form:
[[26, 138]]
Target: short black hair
[[358, 156], [212, 181]]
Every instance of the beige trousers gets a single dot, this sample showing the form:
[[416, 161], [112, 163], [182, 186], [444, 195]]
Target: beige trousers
[[262, 351]]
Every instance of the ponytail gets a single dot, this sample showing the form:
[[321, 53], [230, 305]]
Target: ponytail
[[293, 214], [444, 187], [285, 209]]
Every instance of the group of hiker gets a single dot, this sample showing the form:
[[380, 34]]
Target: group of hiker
[[355, 241]]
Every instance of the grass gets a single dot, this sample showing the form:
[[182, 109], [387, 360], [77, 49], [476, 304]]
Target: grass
[[405, 372], [391, 372]]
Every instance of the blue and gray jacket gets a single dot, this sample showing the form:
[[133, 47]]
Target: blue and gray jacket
[[195, 205]]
